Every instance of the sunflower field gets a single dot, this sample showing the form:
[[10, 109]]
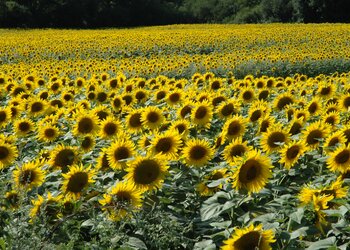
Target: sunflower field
[[176, 137]]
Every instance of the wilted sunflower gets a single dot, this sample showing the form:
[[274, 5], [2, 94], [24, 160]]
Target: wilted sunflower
[[252, 172], [334, 140], [5, 116], [204, 189], [121, 200], [152, 117], [339, 160], [291, 152], [119, 152], [147, 173], [273, 139], [166, 144], [283, 100], [236, 149], [109, 128], [29, 175], [197, 152], [23, 126], [63, 156], [234, 127], [8, 154], [77, 180], [202, 114], [48, 133], [86, 123], [314, 133], [252, 238], [133, 121]]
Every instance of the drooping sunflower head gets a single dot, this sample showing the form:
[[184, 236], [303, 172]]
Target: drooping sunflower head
[[77, 180], [291, 152], [166, 144], [63, 157], [147, 173], [119, 153], [28, 176], [250, 238], [252, 172], [121, 200], [274, 138], [197, 152]]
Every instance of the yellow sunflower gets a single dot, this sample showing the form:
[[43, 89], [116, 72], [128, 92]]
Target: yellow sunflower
[[86, 123], [102, 160], [181, 126], [197, 152], [123, 199], [87, 143], [266, 122], [314, 133], [152, 117], [332, 118], [29, 175], [251, 237], [274, 139], [295, 126], [109, 128], [119, 153], [326, 89], [133, 121], [291, 152], [283, 100], [236, 149], [48, 133], [234, 127], [8, 154], [339, 160], [12, 199], [217, 174], [23, 126], [202, 114], [166, 144], [49, 208], [5, 116], [247, 95], [77, 180], [37, 107], [227, 109], [147, 172], [186, 110], [252, 172], [334, 140], [63, 157]]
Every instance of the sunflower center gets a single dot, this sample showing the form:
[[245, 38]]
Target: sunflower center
[[50, 132], [237, 150], [325, 90], [313, 108], [161, 95], [284, 101], [140, 95], [215, 85], [264, 125], [185, 111], [146, 172], [218, 100], [27, 177], [263, 94], [255, 115], [295, 129], [123, 196], [3, 116], [334, 141], [164, 145], [313, 136], [85, 125], [127, 99], [4, 152], [249, 171], [248, 241], [234, 128], [227, 109], [181, 128], [121, 153], [105, 162], [330, 120], [116, 102], [110, 128], [247, 95], [135, 120], [153, 117], [101, 96], [64, 158], [24, 126], [36, 107], [86, 143], [275, 137], [175, 97], [201, 112], [292, 152], [342, 157], [198, 152], [102, 115], [77, 182]]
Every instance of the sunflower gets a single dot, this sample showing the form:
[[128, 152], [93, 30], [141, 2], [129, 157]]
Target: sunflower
[[166, 144], [291, 152], [5, 116], [152, 117], [63, 156], [147, 172], [119, 153], [247, 95], [48, 133], [109, 128], [174, 97], [314, 106], [339, 160], [314, 133], [186, 110], [234, 127], [236, 149], [29, 175], [295, 126], [263, 94], [160, 94], [252, 172], [49, 208], [273, 139], [217, 174], [12, 199], [283, 100], [182, 127], [23, 126], [102, 112], [121, 200], [332, 118], [133, 121], [77, 180], [227, 109], [197, 152], [334, 140], [251, 238], [256, 112], [8, 154], [87, 143], [266, 122], [202, 114], [102, 160], [86, 123], [117, 103], [326, 90]]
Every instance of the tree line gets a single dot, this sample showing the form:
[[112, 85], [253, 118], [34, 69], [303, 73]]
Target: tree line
[[129, 13]]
